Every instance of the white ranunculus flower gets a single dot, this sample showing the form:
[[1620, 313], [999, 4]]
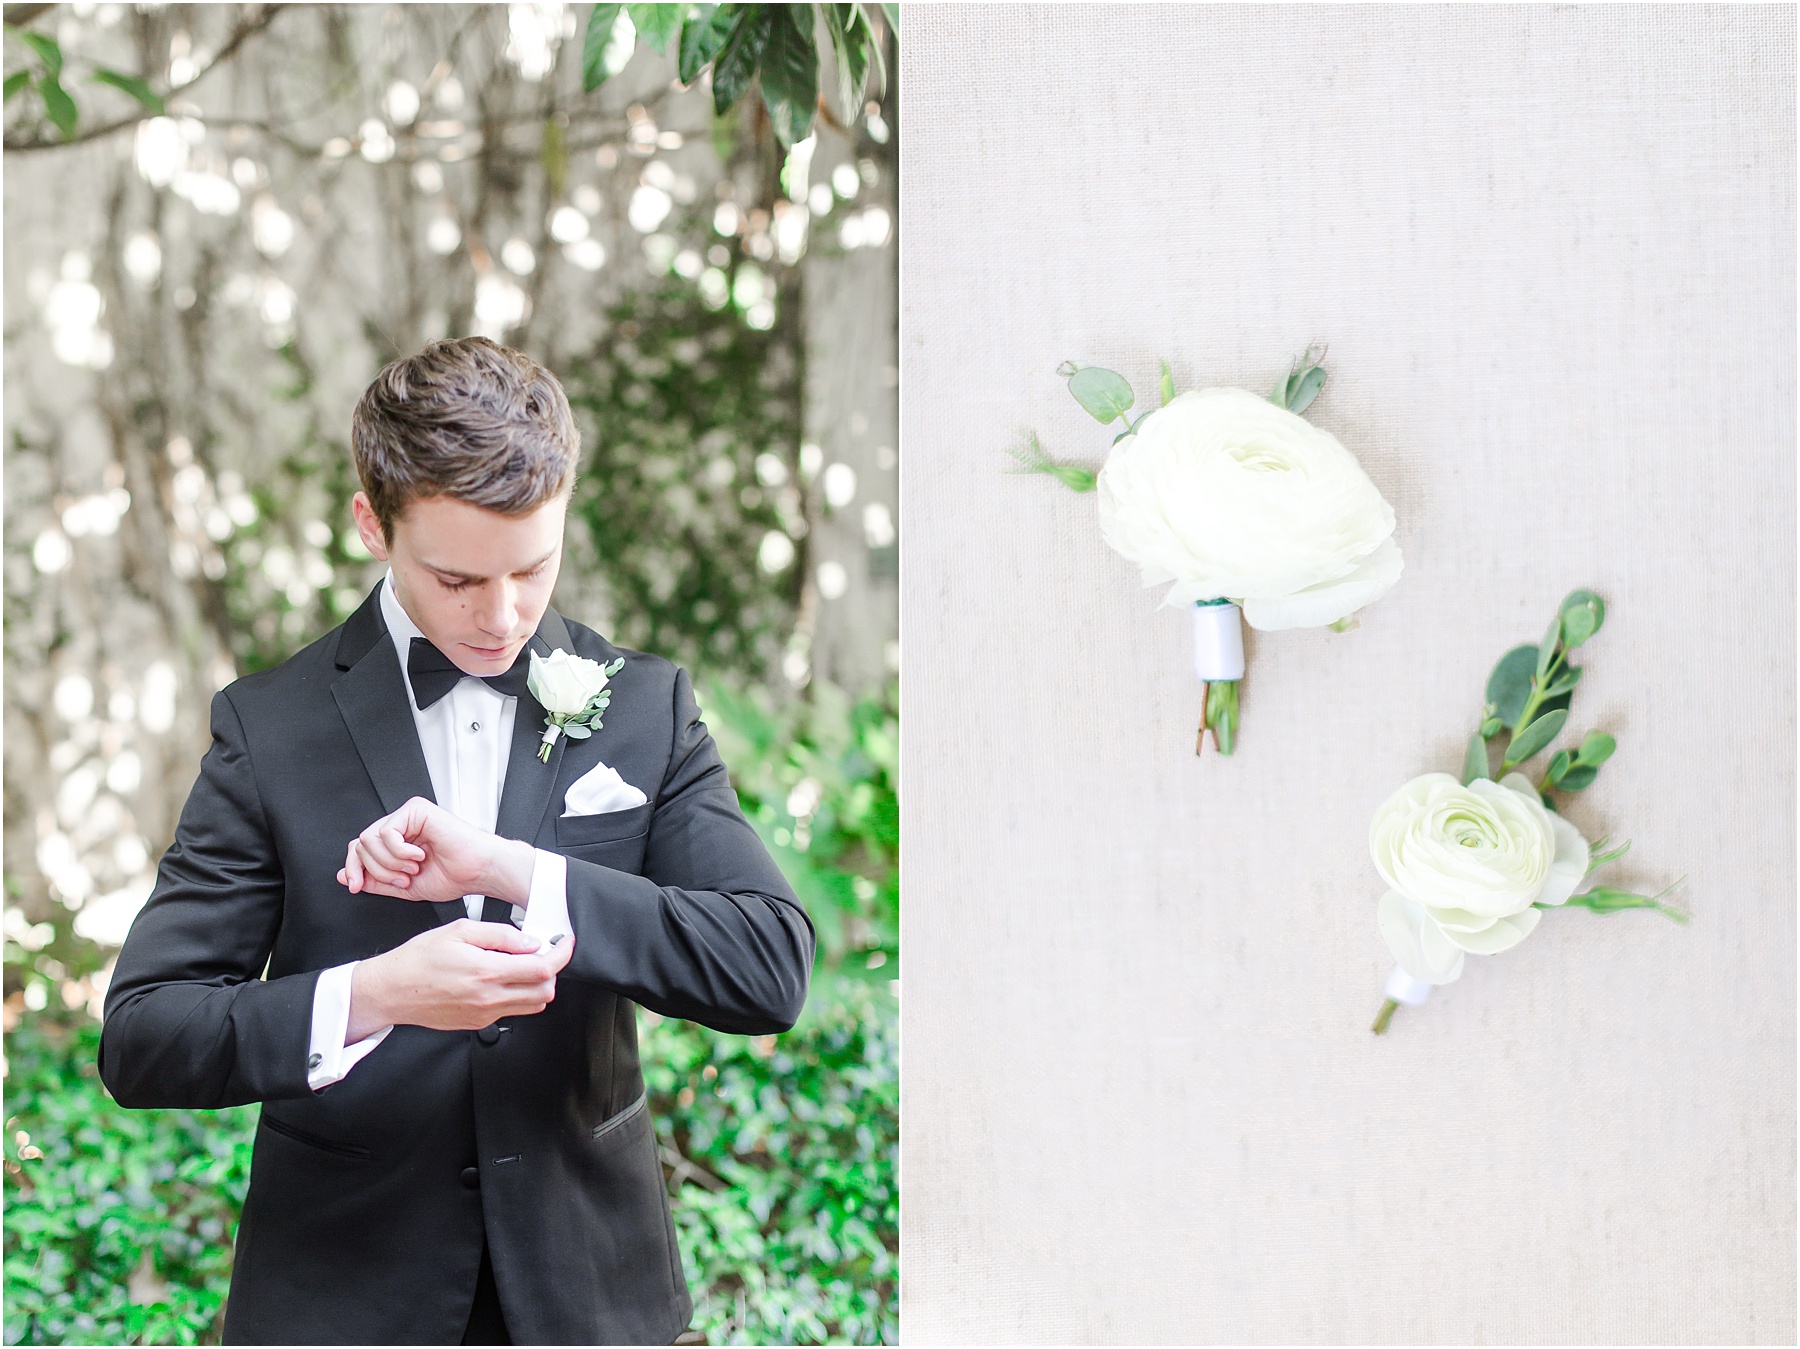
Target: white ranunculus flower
[[1466, 865], [565, 682], [1231, 497]]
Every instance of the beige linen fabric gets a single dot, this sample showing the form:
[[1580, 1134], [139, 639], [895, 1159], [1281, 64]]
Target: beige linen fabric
[[1552, 248]]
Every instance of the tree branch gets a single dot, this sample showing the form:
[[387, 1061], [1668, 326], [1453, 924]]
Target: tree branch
[[242, 34]]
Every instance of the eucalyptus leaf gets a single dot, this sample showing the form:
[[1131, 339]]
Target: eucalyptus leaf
[[610, 670], [1565, 682], [1279, 397], [1547, 648], [1578, 777], [790, 72], [1596, 748], [47, 51], [1475, 760], [58, 104], [1582, 613], [1492, 727], [1509, 686], [735, 65], [1305, 389], [601, 19], [702, 36], [1066, 369], [657, 24], [1104, 393], [130, 84], [15, 82], [1558, 766], [1167, 385], [576, 731], [1535, 736]]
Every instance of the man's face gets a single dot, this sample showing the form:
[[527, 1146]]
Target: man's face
[[475, 581]]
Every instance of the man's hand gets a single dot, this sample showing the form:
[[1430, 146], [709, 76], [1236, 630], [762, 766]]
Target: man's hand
[[424, 852], [460, 976]]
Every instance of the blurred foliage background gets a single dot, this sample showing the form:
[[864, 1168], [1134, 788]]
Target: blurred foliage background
[[221, 221]]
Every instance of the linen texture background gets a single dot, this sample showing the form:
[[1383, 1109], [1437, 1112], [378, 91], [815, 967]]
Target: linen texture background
[[1552, 249]]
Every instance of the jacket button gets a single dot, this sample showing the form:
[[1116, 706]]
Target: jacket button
[[488, 1035], [471, 1178]]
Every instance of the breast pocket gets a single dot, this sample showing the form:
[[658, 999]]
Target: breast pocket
[[613, 826]]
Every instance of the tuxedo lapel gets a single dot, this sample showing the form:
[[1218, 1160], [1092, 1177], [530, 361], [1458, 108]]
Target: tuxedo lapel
[[530, 782], [373, 700]]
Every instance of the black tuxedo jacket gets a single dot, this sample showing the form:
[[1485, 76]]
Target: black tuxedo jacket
[[369, 1201]]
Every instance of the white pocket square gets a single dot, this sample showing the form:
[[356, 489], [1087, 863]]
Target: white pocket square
[[601, 790]]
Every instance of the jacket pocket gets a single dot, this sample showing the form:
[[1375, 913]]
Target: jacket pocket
[[311, 1140], [625, 1116], [612, 826]]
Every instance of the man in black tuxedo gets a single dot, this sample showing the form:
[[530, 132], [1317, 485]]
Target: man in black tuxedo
[[454, 1145]]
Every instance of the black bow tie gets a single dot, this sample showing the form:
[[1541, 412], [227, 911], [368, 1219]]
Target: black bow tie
[[433, 674]]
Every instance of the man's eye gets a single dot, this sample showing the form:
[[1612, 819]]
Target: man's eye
[[453, 585]]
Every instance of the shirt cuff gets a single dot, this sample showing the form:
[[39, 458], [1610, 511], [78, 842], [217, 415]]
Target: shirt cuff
[[328, 1058], [547, 907]]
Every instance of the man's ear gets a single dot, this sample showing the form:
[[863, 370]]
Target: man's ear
[[368, 526]]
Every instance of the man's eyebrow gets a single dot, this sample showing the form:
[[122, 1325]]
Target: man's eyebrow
[[465, 576]]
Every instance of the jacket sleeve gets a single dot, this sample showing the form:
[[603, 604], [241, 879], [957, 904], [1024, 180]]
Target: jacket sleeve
[[190, 1022], [711, 932]]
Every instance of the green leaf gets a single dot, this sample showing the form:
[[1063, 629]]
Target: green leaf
[[130, 84], [790, 72], [1535, 736], [1596, 748], [1491, 727], [1558, 766], [58, 104], [1032, 459], [15, 82], [1304, 389], [702, 37], [601, 19], [610, 670], [1475, 760], [1547, 647], [1279, 397], [1130, 427], [1168, 384], [850, 42], [1565, 682], [657, 24], [576, 731], [47, 51], [1578, 777], [738, 58], [1104, 393], [1509, 686], [1582, 612]]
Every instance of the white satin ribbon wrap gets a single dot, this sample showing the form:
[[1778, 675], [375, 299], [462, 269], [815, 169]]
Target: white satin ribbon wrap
[[1406, 990], [1218, 642]]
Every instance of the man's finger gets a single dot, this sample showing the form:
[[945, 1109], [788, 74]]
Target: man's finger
[[403, 852], [353, 871], [380, 857], [502, 937]]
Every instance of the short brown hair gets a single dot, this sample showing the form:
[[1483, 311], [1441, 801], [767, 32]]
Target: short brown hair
[[465, 418]]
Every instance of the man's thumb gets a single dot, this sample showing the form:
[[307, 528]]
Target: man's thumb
[[499, 937]]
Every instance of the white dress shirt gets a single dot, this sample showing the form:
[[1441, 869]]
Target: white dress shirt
[[467, 739]]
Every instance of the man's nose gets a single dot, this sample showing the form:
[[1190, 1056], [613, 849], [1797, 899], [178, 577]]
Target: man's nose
[[500, 611]]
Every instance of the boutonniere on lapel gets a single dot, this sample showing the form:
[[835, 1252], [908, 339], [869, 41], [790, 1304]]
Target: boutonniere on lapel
[[1245, 505], [573, 690]]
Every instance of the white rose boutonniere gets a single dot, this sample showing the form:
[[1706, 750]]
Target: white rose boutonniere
[[573, 690], [1472, 863], [1237, 503]]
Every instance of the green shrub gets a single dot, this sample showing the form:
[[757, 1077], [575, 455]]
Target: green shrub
[[780, 1150]]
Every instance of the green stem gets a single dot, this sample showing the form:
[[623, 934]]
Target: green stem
[[1385, 1015]]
